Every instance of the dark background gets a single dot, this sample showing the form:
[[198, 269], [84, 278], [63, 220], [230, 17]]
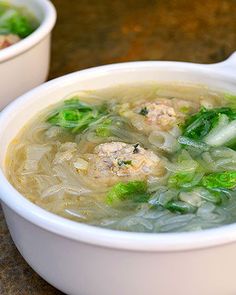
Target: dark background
[[95, 32]]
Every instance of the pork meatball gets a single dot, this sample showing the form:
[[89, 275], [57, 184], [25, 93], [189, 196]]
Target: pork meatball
[[115, 160], [159, 114], [165, 113]]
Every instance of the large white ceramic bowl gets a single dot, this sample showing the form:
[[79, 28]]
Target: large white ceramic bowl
[[84, 260], [25, 64]]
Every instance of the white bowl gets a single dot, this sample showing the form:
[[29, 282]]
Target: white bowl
[[25, 64], [82, 259]]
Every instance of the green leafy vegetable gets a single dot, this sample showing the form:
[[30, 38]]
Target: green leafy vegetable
[[185, 179], [103, 129], [209, 195], [200, 124], [225, 179], [180, 207], [197, 144], [76, 115], [210, 127], [75, 103], [15, 22], [133, 190], [179, 179], [223, 134]]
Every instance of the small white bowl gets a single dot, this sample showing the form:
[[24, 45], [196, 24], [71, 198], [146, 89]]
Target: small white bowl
[[82, 259], [25, 64]]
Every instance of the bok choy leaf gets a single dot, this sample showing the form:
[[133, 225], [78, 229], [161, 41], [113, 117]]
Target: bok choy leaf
[[214, 127], [133, 190], [76, 115]]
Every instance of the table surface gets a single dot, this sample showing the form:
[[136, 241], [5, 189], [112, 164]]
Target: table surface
[[92, 33]]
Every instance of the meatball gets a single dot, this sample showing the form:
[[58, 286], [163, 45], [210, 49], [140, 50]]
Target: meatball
[[160, 114], [8, 40], [165, 113], [115, 160]]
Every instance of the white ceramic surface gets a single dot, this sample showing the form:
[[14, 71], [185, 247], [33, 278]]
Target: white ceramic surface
[[84, 260], [26, 64]]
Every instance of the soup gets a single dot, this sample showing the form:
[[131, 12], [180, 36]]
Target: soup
[[143, 158], [16, 23]]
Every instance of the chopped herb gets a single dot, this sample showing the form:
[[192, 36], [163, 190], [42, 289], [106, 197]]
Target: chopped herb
[[122, 162], [143, 111], [136, 150]]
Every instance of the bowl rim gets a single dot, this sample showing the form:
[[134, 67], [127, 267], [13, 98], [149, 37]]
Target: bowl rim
[[133, 241], [34, 38]]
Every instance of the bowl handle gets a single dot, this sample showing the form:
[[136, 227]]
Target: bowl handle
[[226, 66]]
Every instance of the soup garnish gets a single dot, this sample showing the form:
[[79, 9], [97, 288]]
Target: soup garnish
[[145, 158], [16, 23]]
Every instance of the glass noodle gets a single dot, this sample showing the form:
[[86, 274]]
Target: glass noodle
[[144, 158]]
